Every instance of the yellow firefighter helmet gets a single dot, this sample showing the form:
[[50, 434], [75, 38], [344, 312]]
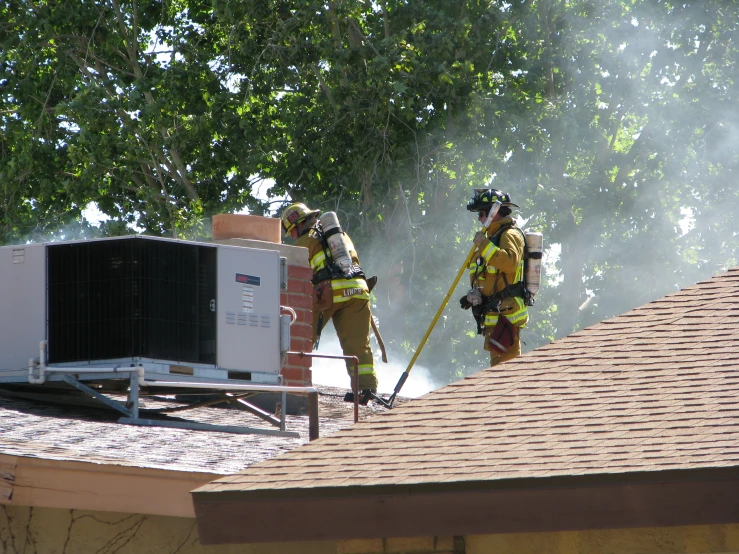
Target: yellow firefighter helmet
[[296, 213]]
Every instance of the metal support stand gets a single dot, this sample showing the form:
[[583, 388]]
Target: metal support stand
[[131, 411], [241, 404], [97, 396], [283, 411], [231, 393], [133, 395], [312, 415], [193, 426], [222, 387]]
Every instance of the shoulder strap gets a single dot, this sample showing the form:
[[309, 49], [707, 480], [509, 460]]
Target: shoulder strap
[[332, 269], [514, 289], [495, 239]]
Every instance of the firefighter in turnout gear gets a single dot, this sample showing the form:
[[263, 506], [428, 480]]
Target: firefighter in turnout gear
[[497, 297], [340, 292]]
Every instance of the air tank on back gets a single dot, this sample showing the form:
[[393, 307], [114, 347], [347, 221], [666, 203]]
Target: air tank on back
[[535, 247], [337, 242]]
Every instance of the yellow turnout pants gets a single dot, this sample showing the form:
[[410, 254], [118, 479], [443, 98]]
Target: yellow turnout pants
[[352, 323]]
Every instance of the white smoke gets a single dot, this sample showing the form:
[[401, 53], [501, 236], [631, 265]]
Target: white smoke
[[333, 373]]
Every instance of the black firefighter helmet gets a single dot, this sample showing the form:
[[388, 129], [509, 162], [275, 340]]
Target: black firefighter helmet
[[483, 199]]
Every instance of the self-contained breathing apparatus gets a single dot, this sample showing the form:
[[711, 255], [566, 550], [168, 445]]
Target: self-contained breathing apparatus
[[338, 264], [525, 289]]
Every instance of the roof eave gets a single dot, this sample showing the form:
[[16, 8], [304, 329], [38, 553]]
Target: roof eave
[[648, 499]]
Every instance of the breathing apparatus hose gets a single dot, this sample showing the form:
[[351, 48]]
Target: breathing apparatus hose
[[389, 402]]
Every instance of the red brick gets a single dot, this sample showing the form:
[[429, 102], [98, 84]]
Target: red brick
[[296, 284], [305, 316], [300, 286], [293, 375], [301, 345], [290, 383], [297, 376], [298, 344], [299, 272], [301, 330], [299, 301]]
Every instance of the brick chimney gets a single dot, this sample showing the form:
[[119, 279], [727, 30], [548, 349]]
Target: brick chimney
[[254, 231], [241, 226]]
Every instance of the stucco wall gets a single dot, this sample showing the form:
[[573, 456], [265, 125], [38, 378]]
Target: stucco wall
[[410, 545], [57, 531], [699, 539], [704, 539]]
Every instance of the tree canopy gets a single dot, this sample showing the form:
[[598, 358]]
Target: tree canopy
[[614, 126]]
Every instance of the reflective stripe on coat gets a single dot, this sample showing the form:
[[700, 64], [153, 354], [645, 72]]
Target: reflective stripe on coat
[[506, 259], [343, 289]]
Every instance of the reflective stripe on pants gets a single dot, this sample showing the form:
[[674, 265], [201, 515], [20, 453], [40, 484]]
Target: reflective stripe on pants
[[352, 323]]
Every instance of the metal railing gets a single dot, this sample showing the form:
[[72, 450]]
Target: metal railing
[[355, 374]]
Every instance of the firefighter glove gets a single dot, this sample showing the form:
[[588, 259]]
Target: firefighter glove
[[464, 303], [480, 237]]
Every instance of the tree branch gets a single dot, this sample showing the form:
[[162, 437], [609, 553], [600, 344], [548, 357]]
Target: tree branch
[[385, 18], [324, 87]]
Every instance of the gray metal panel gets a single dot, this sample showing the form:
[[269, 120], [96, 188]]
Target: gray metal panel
[[248, 309], [22, 303]]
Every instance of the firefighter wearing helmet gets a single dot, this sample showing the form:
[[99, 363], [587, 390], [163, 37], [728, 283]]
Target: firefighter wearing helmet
[[497, 297], [340, 291]]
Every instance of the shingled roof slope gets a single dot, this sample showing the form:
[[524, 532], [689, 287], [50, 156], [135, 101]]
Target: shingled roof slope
[[653, 389], [51, 431]]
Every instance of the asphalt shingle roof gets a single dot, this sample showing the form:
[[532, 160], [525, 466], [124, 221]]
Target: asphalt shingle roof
[[652, 389], [51, 431]]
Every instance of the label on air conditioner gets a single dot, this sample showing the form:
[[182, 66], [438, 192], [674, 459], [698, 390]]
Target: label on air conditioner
[[248, 279]]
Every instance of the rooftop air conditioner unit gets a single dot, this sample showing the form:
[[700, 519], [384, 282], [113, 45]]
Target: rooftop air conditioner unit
[[182, 310]]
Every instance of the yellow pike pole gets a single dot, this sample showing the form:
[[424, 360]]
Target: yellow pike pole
[[389, 402]]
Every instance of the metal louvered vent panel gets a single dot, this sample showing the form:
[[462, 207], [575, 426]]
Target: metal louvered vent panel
[[130, 298]]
